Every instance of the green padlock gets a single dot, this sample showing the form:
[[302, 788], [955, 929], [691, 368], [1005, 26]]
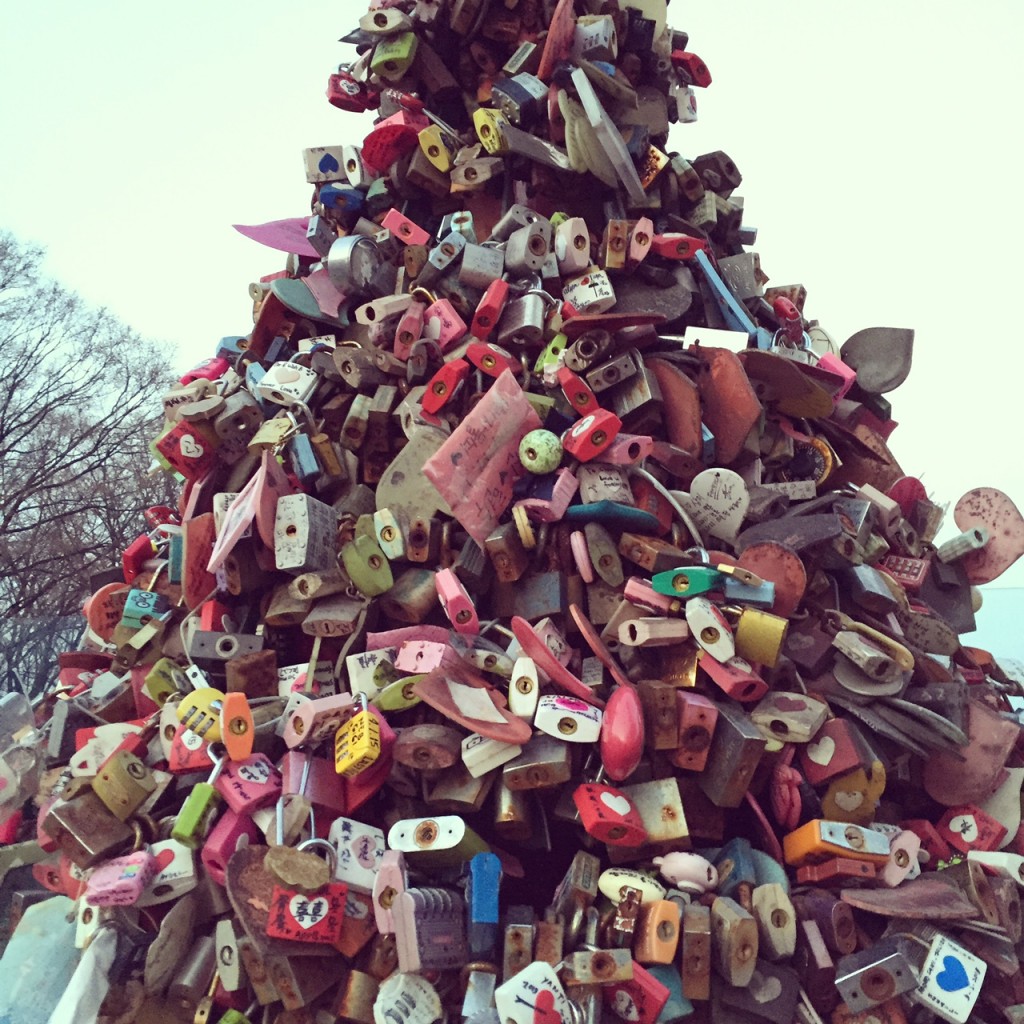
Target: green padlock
[[162, 680], [196, 815], [686, 581], [393, 57], [548, 357]]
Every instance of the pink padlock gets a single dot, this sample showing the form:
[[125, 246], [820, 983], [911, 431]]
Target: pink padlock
[[119, 882], [551, 510], [443, 324], [389, 882], [315, 720], [208, 369], [835, 365], [232, 832], [456, 603], [417, 656], [248, 785], [406, 231], [409, 330]]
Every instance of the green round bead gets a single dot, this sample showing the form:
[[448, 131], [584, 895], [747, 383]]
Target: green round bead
[[540, 451]]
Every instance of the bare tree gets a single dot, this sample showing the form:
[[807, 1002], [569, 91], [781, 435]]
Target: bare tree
[[78, 405]]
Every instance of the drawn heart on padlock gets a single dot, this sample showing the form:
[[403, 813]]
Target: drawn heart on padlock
[[544, 1011], [765, 988], [821, 751], [307, 911], [966, 826], [615, 803], [953, 975], [718, 500], [328, 164], [163, 860], [784, 703], [190, 449], [848, 800]]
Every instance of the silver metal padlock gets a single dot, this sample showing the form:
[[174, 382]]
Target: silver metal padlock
[[516, 216], [523, 320], [874, 975], [527, 248], [441, 259], [481, 264]]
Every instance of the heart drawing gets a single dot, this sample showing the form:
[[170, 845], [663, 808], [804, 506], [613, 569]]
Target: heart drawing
[[821, 751], [307, 911], [953, 976], [615, 803], [765, 988], [190, 448], [163, 860], [544, 1011], [328, 164]]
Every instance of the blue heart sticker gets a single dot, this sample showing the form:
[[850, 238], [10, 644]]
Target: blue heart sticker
[[952, 977], [328, 164]]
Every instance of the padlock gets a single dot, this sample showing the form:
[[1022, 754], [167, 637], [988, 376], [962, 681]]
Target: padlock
[[195, 817], [124, 783], [392, 57], [521, 320], [590, 292], [357, 742], [588, 438], [249, 784]]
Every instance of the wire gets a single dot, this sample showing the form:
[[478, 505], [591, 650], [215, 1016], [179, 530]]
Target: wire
[[676, 507]]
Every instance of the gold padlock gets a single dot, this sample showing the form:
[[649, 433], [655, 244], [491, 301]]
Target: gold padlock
[[759, 635]]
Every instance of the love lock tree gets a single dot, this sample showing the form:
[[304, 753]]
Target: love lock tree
[[76, 415]]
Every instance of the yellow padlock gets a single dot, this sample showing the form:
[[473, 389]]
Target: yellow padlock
[[489, 125], [271, 434], [200, 712], [357, 742]]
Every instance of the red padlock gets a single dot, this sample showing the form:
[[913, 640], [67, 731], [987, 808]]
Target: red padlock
[[489, 309], [969, 828], [592, 435], [491, 359], [345, 92], [789, 319], [580, 397], [317, 918], [208, 369], [674, 245], [442, 387], [691, 69]]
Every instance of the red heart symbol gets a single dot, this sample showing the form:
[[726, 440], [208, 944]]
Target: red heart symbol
[[544, 1011], [788, 704], [163, 858]]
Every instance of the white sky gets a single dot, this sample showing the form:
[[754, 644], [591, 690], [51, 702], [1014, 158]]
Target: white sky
[[878, 143]]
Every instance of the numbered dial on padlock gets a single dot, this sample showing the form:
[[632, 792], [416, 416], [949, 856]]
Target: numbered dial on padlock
[[357, 743], [200, 712]]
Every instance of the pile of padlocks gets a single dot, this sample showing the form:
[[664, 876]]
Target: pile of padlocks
[[546, 633]]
